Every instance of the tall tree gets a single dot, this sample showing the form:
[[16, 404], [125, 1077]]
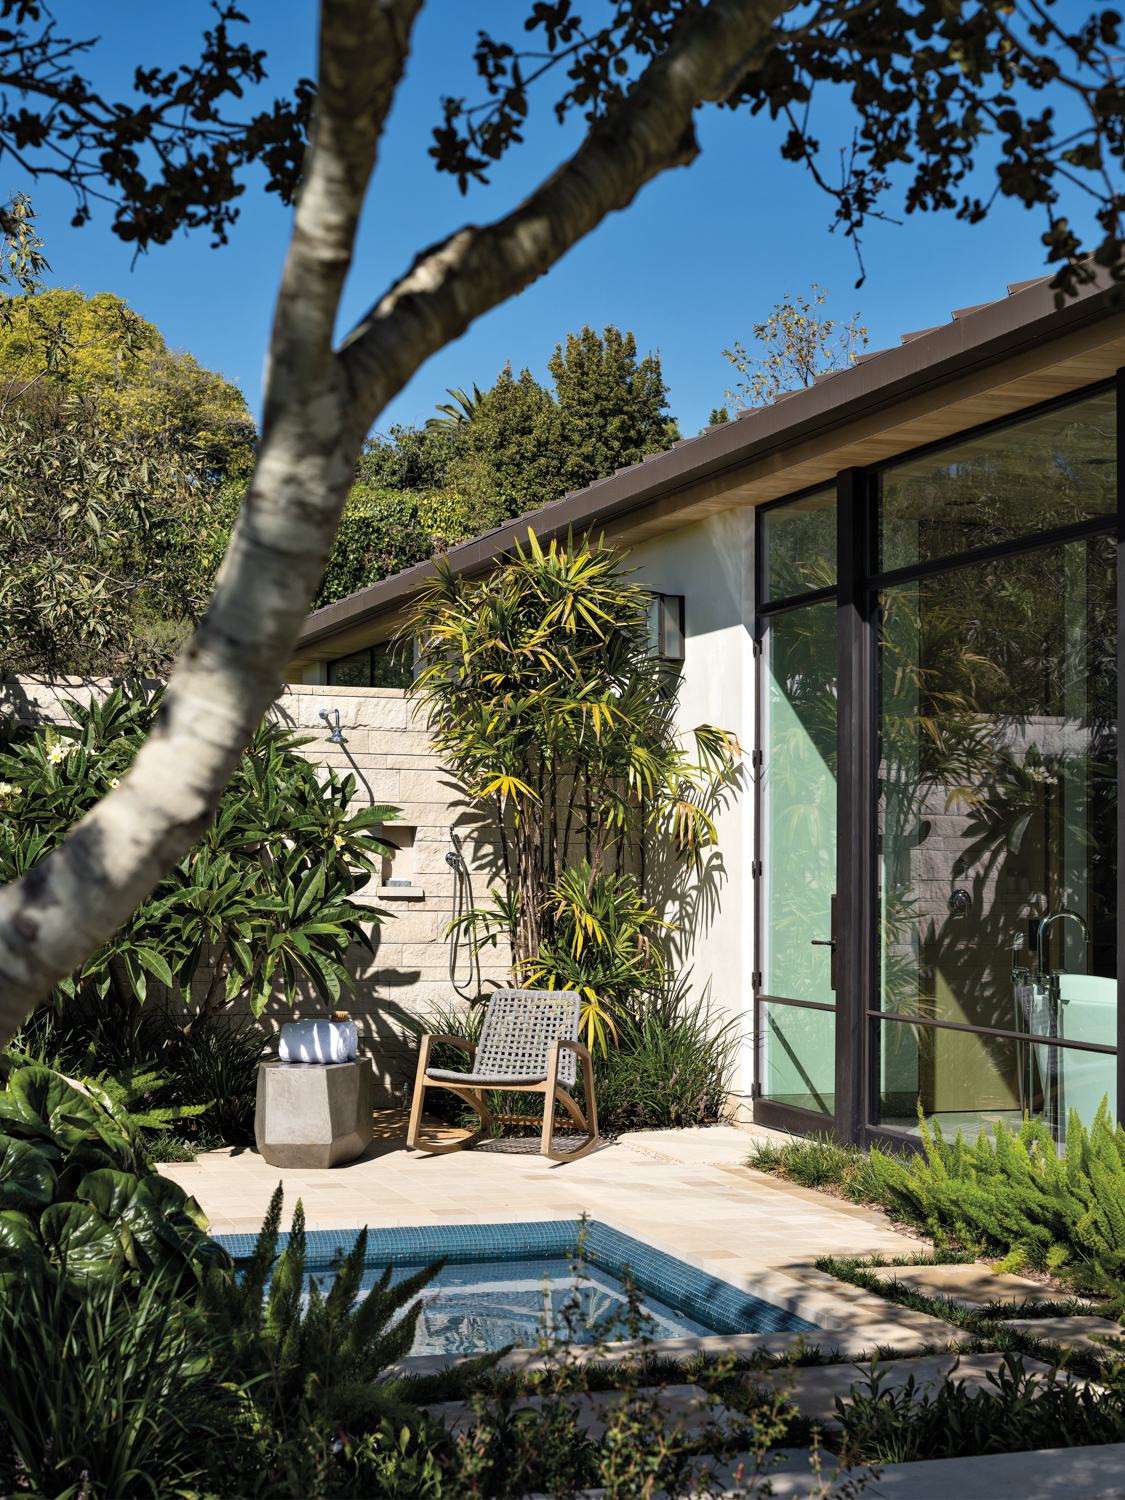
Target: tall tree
[[927, 82], [797, 345], [613, 410], [61, 340], [515, 456]]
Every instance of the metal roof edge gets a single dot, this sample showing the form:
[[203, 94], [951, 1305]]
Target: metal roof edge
[[989, 333]]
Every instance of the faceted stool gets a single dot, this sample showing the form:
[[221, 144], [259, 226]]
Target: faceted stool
[[314, 1115]]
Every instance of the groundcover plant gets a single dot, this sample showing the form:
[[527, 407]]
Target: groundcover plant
[[1011, 1196]]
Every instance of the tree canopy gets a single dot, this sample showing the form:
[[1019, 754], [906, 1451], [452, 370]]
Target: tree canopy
[[113, 455], [508, 450], [96, 347]]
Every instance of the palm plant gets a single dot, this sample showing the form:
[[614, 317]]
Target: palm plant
[[547, 702], [465, 410]]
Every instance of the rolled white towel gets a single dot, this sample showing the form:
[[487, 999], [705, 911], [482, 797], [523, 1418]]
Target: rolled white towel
[[318, 1041]]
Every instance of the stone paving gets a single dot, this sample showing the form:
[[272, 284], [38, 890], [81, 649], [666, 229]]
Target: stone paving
[[740, 1221], [970, 1286], [743, 1226]]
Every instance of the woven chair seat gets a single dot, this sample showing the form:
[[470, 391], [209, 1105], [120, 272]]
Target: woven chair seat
[[485, 1080]]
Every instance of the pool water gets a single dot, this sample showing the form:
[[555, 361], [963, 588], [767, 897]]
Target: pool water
[[488, 1304], [505, 1283]]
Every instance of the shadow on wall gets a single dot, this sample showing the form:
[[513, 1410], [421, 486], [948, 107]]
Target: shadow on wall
[[39, 700], [691, 897]]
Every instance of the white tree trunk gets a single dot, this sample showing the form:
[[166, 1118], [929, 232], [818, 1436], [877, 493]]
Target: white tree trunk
[[319, 405]]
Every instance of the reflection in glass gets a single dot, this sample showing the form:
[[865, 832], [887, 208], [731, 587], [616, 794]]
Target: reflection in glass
[[1050, 470], [997, 809], [799, 1057], [798, 835], [799, 540]]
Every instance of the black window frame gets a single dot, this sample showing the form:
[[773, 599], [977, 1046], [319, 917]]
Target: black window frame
[[857, 596], [766, 1111]]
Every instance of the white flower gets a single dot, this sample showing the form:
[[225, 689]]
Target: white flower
[[338, 840], [57, 753], [115, 781]]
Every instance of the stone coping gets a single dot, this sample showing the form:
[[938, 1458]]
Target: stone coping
[[1096, 1473]]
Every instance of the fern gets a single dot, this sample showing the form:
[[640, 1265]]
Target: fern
[[299, 1345], [1014, 1196]]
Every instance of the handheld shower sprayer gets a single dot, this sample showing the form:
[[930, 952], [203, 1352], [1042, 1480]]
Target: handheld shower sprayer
[[462, 905]]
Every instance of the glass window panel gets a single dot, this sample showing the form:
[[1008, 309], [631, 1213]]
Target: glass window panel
[[998, 808], [798, 834], [799, 1057], [972, 1082], [1050, 470], [391, 666], [351, 671], [799, 540]]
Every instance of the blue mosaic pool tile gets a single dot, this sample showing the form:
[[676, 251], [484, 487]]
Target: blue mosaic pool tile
[[705, 1298]]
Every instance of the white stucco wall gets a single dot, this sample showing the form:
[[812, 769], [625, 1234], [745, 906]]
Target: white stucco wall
[[712, 565]]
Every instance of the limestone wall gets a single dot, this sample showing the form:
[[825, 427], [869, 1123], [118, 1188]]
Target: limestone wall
[[389, 755]]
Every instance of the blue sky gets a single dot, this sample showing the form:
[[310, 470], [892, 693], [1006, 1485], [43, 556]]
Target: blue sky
[[700, 256]]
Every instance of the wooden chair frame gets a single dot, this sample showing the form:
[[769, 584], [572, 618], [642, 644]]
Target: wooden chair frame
[[550, 1088]]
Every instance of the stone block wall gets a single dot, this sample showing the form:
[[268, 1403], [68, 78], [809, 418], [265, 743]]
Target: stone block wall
[[388, 752]]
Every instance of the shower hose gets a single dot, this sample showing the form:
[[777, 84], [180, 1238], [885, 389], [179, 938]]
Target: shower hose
[[462, 904]]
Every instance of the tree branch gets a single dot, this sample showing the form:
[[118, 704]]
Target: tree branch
[[318, 408], [228, 674], [477, 268]]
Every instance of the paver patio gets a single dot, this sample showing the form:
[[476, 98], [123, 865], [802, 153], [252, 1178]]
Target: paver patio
[[744, 1226]]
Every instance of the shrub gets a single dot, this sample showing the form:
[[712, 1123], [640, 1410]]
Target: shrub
[[1018, 1198], [293, 1342], [215, 1064], [822, 1163], [1024, 1411], [669, 1068], [77, 1196], [156, 1075], [267, 893], [114, 1396]]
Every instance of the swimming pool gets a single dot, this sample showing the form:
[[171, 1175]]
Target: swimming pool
[[501, 1279]]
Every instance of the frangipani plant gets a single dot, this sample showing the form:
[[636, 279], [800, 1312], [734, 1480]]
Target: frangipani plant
[[267, 893]]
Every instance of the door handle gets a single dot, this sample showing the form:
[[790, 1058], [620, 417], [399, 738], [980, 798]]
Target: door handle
[[829, 943]]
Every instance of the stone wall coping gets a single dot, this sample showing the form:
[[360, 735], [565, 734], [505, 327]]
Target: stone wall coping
[[323, 690]]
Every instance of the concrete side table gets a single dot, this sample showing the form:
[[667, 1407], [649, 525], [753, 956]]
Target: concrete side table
[[314, 1115]]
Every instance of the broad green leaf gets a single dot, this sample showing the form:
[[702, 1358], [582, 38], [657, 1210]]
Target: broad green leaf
[[27, 1180]]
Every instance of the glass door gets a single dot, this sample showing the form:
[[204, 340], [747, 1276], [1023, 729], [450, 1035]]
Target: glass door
[[997, 790], [796, 1016]]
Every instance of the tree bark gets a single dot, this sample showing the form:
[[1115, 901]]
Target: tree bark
[[319, 404]]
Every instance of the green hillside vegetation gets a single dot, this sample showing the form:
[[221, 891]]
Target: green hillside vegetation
[[499, 454], [121, 466]]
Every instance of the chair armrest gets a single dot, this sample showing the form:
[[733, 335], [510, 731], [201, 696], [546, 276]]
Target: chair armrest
[[576, 1047], [428, 1042], [453, 1041]]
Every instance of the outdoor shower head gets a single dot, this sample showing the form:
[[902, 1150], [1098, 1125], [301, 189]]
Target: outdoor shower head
[[335, 738]]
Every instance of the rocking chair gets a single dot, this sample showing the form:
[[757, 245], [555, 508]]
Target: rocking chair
[[529, 1045]]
